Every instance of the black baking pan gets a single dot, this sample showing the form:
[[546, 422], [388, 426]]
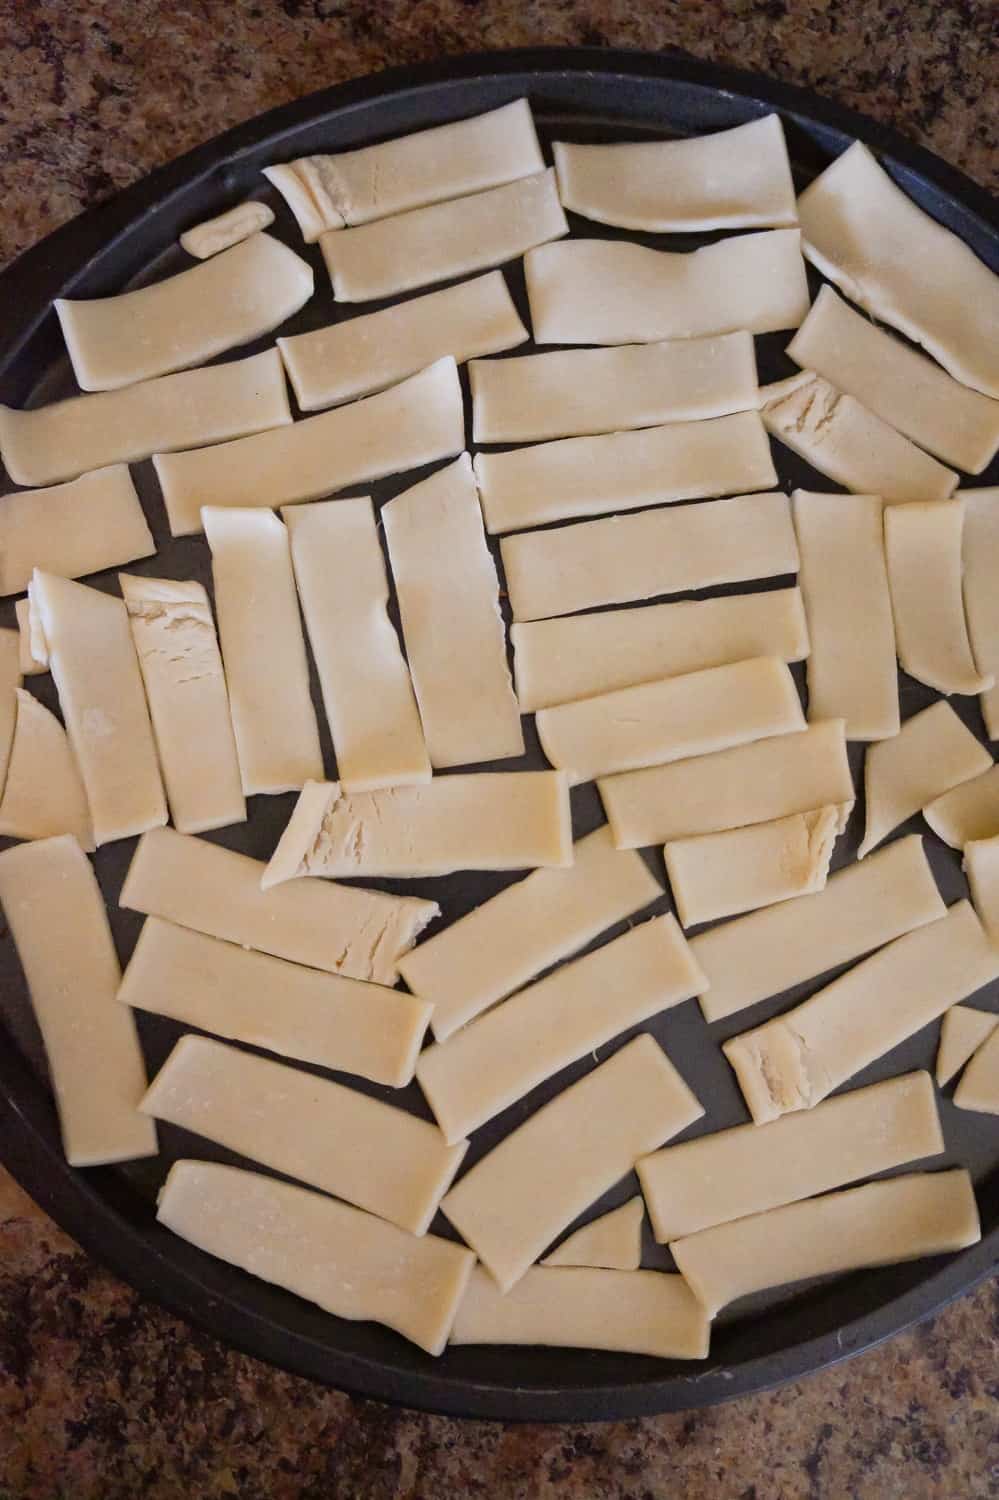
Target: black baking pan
[[581, 95]]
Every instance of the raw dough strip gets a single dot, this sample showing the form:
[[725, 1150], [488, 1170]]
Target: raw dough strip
[[92, 523], [29, 666], [299, 1013], [866, 235], [186, 319], [444, 240], [499, 1058], [448, 592], [980, 555], [178, 651], [212, 235], [614, 292], [613, 1242], [518, 1199], [348, 1262], [367, 692], [979, 1085], [882, 1223], [967, 813], [350, 1145], [862, 907], [342, 929], [55, 912], [525, 929], [962, 1032], [10, 682], [981, 866], [43, 795], [415, 423]]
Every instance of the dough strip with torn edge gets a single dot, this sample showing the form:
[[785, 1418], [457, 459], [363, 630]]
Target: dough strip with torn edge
[[349, 1263], [881, 1223], [212, 235], [500, 1057], [525, 929], [493, 820], [277, 736], [55, 912], [355, 1147], [979, 1085], [967, 813], [367, 693], [614, 292], [795, 1060], [415, 423], [43, 794], [514, 1202], [572, 392], [903, 388], [10, 682], [962, 1032], [980, 555], [90, 524], [324, 1019], [29, 666], [342, 929], [639, 557], [186, 319], [617, 471], [843, 439], [175, 642], [103, 705], [444, 240], [367, 353], [613, 1242], [448, 592], [866, 235], [186, 410]]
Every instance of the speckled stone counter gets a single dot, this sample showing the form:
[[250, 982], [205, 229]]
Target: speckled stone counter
[[103, 1396]]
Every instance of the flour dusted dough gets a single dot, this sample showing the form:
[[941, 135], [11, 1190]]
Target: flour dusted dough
[[10, 682], [43, 794], [613, 1242], [979, 1085], [981, 866], [962, 1032], [969, 812], [923, 547], [225, 230], [980, 555], [29, 666], [72, 529]]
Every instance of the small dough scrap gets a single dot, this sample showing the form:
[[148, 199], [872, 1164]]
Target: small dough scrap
[[967, 813], [29, 666], [979, 1086], [43, 795], [962, 1032], [90, 524], [981, 866], [225, 230], [980, 555], [10, 682], [613, 1242]]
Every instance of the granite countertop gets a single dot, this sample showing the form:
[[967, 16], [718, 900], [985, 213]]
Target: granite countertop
[[103, 1396]]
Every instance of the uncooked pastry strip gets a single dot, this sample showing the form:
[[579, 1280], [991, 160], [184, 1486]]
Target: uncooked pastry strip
[[979, 1085], [10, 682], [38, 646], [448, 595], [980, 549], [981, 866], [967, 813], [43, 794], [29, 666], [55, 912], [613, 1242], [962, 1032], [923, 547], [92, 523], [518, 1199], [225, 230]]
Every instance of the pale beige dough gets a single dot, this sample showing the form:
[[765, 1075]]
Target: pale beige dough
[[38, 646], [967, 813], [962, 1032], [288, 179], [981, 866], [225, 230], [43, 794], [980, 555], [10, 681], [92, 523], [613, 1242], [923, 546], [29, 666], [979, 1085]]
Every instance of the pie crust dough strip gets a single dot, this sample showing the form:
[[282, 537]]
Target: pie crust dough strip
[[187, 410], [90, 524], [967, 813], [367, 693], [348, 1262], [55, 912], [572, 392], [372, 1154], [613, 1242], [962, 1032], [979, 1085], [415, 423], [639, 557], [615, 292], [525, 929], [862, 907], [174, 637], [29, 666], [980, 555], [448, 592], [502, 1056], [795, 1060], [902, 267], [10, 682], [444, 240], [981, 866], [103, 705], [514, 1202], [186, 319], [232, 992], [881, 1223], [496, 820], [277, 737], [43, 795], [903, 388], [342, 929], [584, 476], [225, 230]]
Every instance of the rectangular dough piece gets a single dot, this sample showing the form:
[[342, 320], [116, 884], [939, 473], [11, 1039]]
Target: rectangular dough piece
[[29, 666], [968, 812], [981, 866], [416, 422], [862, 907], [361, 355], [178, 651], [514, 1202], [980, 555], [367, 693], [979, 1085], [348, 1144], [879, 1224], [444, 240], [524, 930], [661, 551], [616, 292], [225, 230], [350, 1263], [185, 319], [500, 1057], [90, 524], [300, 1013], [55, 912], [843, 578], [10, 682], [611, 1242], [962, 1031], [187, 410], [43, 793], [448, 591], [342, 929]]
